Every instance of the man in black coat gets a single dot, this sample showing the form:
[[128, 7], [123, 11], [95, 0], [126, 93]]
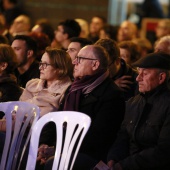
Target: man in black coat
[[94, 94], [143, 143]]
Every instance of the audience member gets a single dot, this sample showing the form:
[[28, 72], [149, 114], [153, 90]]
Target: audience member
[[45, 27], [109, 31], [129, 51], [122, 74], [163, 45], [96, 24], [20, 26], [144, 45], [48, 91], [143, 143], [65, 30], [94, 94], [11, 10], [9, 90], [84, 27], [25, 48], [42, 41], [127, 31], [76, 43], [163, 28]]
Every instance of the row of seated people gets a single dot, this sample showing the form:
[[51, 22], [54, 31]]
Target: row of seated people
[[89, 77], [95, 93]]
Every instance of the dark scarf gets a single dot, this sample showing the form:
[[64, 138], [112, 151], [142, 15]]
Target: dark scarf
[[83, 86]]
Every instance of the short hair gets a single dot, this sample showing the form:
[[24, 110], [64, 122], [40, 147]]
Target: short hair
[[71, 27], [111, 47], [61, 60], [46, 28], [8, 55], [104, 20], [83, 41], [132, 48], [101, 54], [30, 42]]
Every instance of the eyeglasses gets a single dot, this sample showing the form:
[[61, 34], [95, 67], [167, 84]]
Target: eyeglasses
[[44, 65], [78, 59]]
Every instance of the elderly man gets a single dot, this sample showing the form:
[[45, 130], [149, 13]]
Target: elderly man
[[143, 143], [94, 94]]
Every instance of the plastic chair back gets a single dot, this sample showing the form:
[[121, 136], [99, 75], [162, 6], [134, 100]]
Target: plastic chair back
[[26, 116], [71, 128]]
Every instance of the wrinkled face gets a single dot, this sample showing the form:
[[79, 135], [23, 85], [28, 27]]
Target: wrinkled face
[[47, 71], [162, 47], [125, 55], [59, 34], [148, 79], [21, 51], [95, 25], [85, 65], [73, 49]]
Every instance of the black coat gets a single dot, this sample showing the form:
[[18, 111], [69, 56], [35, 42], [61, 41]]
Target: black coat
[[105, 105], [143, 142], [9, 90]]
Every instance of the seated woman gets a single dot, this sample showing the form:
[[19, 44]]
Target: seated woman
[[48, 91]]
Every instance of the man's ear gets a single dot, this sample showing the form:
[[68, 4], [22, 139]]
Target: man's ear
[[162, 77], [3, 66], [30, 53], [95, 65]]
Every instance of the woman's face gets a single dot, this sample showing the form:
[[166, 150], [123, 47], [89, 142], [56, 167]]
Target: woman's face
[[47, 71]]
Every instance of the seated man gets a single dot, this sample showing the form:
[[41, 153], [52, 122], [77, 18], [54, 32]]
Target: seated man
[[143, 143], [94, 94]]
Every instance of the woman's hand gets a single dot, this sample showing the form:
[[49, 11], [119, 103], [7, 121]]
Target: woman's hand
[[44, 152]]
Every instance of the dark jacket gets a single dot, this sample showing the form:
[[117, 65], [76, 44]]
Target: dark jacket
[[143, 142], [32, 72], [9, 90], [105, 105], [128, 71]]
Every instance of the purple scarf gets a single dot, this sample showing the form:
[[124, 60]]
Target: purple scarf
[[83, 86]]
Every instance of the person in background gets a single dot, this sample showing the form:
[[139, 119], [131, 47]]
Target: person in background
[[127, 31], [65, 30], [9, 89], [76, 43], [48, 91], [20, 26], [163, 45], [143, 142], [121, 73], [96, 24], [129, 52], [25, 48], [163, 28], [84, 27], [144, 45], [42, 41], [109, 31]]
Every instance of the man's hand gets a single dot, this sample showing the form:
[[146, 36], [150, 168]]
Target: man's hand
[[123, 82], [44, 152]]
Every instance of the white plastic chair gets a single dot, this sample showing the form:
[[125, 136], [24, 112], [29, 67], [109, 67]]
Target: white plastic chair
[[26, 116], [71, 128]]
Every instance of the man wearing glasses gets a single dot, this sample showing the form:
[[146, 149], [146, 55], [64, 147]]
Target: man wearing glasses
[[94, 94]]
